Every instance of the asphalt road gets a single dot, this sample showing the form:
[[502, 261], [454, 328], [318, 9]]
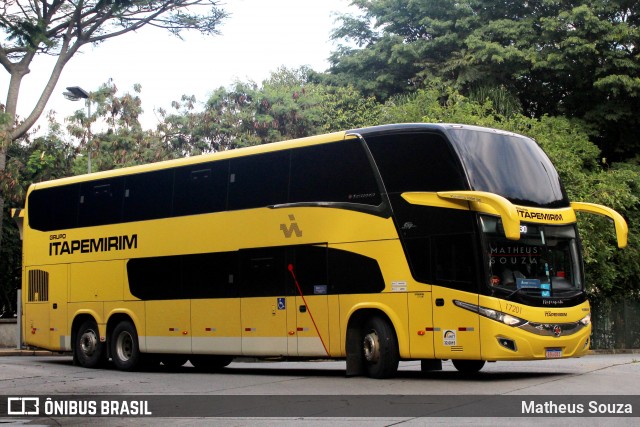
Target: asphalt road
[[612, 380]]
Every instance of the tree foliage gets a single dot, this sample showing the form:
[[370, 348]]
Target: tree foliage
[[578, 59], [287, 105], [59, 28]]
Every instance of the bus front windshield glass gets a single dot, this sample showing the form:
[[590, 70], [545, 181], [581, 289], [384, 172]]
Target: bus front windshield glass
[[544, 263]]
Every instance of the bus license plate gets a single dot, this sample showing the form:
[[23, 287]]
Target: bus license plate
[[554, 353]]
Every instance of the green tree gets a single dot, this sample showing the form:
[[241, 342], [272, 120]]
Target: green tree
[[34, 28], [39, 159], [118, 139], [289, 104], [578, 59]]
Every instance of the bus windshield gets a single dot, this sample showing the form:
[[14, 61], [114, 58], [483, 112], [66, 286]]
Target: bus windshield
[[545, 262], [510, 165]]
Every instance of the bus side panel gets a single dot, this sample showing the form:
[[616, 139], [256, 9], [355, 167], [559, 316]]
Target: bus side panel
[[336, 349], [216, 326], [45, 308], [97, 281], [456, 330], [168, 326], [420, 325], [264, 326]]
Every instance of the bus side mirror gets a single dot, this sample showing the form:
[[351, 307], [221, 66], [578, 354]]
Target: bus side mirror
[[479, 201], [622, 230]]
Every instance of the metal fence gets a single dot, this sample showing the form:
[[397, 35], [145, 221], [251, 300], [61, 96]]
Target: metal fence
[[616, 324]]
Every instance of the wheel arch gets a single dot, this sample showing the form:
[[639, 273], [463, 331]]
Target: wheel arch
[[79, 319], [353, 334], [120, 314]]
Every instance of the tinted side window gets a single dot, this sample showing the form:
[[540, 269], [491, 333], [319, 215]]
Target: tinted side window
[[212, 275], [310, 268], [156, 278], [416, 162], [335, 172], [201, 188], [263, 272], [54, 208], [260, 272], [101, 202], [351, 273], [148, 195], [418, 252], [454, 264], [259, 180]]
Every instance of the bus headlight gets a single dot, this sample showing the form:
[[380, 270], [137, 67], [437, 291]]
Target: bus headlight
[[586, 320], [496, 315]]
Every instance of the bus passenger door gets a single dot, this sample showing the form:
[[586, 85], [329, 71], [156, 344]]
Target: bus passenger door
[[308, 277], [456, 329], [264, 303], [212, 281]]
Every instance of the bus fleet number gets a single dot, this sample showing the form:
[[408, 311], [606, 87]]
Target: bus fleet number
[[514, 308]]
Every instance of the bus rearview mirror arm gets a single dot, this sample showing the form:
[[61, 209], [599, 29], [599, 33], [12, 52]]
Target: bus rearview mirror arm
[[622, 230], [490, 202]]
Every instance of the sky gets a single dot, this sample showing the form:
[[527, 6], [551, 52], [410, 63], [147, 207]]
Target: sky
[[257, 38]]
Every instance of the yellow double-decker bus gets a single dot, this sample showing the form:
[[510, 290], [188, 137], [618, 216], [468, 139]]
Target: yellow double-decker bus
[[375, 245]]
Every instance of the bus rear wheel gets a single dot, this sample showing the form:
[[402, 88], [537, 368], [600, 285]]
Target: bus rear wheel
[[379, 348], [125, 350], [468, 366], [89, 351]]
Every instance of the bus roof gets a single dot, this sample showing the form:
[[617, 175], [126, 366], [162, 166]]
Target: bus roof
[[185, 161], [264, 148]]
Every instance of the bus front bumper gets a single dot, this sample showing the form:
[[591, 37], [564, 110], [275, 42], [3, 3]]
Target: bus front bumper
[[534, 341]]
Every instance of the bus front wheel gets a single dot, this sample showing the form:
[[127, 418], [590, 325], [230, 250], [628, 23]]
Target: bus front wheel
[[380, 348], [125, 351], [89, 351], [468, 366]]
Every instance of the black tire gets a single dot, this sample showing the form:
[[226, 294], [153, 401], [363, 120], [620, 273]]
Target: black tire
[[89, 352], [173, 361], [379, 349], [125, 351], [210, 363], [468, 366]]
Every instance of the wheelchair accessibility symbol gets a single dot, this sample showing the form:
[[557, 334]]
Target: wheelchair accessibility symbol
[[282, 304]]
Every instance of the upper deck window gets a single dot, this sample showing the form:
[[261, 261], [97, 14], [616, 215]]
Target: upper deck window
[[416, 162]]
